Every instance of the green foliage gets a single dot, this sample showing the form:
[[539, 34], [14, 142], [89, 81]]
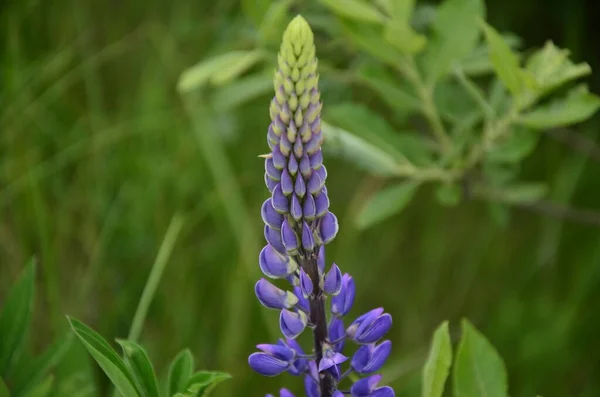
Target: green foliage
[[437, 366], [387, 202], [478, 369], [27, 376], [134, 375]]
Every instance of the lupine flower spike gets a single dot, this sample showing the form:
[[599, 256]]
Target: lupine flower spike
[[298, 225]]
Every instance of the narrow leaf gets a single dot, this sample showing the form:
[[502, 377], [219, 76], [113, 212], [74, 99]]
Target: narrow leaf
[[523, 192], [369, 39], [38, 368], [437, 366], [355, 9], [180, 370], [143, 372], [218, 69], [202, 383], [241, 91], [110, 362], [15, 319], [386, 203], [520, 144], [577, 106], [455, 35], [388, 87], [478, 370], [505, 61], [362, 153]]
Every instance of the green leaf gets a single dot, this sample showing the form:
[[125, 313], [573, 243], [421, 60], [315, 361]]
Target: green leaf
[[478, 62], [505, 61], [355, 9], [202, 383], [520, 143], [448, 194], [388, 87], [523, 193], [552, 68], [110, 362], [360, 120], [241, 91], [274, 22], [369, 39], [180, 370], [38, 368], [387, 202], [577, 106], [142, 369], [360, 152], [42, 389], [437, 366], [15, 319], [455, 35], [218, 70], [3, 389], [478, 370], [403, 37]]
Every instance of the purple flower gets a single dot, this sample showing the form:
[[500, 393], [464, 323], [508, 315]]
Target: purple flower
[[298, 225]]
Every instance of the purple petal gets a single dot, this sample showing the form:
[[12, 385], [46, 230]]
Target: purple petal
[[306, 284], [311, 387], [285, 393], [293, 165], [272, 138], [314, 184], [270, 183], [322, 171], [303, 303], [292, 324], [308, 208], [300, 187], [337, 331], [321, 259], [296, 207], [267, 365], [342, 302], [274, 264], [298, 148], [285, 145], [363, 322], [278, 126], [279, 351], [376, 330], [288, 237], [279, 201], [321, 203], [305, 165], [330, 359], [271, 171], [279, 160], [305, 132], [273, 297], [333, 280], [287, 184], [329, 227], [314, 143], [307, 237], [338, 394], [269, 216], [361, 358], [384, 391], [364, 387], [273, 237], [378, 357], [316, 160]]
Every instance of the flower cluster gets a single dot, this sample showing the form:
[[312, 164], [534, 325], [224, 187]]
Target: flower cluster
[[298, 225]]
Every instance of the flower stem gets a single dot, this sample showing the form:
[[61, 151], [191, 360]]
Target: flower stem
[[318, 317]]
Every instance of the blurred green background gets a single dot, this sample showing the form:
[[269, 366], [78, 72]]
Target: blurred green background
[[98, 152]]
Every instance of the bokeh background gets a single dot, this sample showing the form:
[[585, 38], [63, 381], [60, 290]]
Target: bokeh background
[[98, 152]]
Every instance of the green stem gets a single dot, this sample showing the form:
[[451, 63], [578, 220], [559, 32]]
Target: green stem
[[160, 263], [425, 94]]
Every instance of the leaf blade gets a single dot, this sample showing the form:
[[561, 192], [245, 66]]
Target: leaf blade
[[15, 318], [505, 62], [478, 370], [110, 362], [437, 366], [386, 203], [180, 370], [139, 362]]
